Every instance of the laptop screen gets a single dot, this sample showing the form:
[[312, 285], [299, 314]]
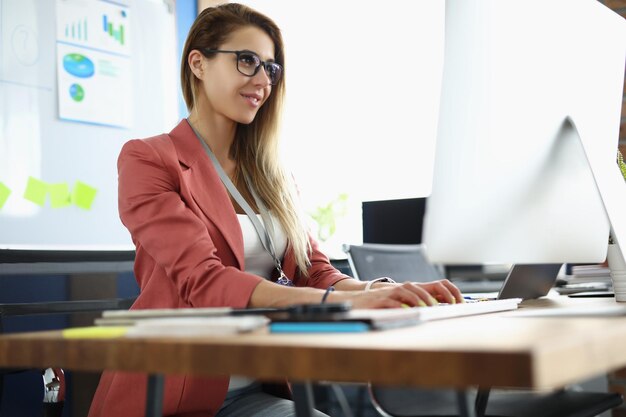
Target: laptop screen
[[529, 281]]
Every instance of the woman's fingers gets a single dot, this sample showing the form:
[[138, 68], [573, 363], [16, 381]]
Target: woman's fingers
[[444, 290], [409, 294], [391, 297], [414, 295], [456, 292]]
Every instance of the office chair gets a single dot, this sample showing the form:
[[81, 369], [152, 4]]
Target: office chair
[[409, 263], [54, 378], [400, 262], [409, 402]]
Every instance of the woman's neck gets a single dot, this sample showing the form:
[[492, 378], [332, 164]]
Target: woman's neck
[[217, 131]]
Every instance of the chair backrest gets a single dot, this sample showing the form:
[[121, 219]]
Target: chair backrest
[[399, 262]]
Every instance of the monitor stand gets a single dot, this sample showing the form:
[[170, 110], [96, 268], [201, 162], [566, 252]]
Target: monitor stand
[[610, 184]]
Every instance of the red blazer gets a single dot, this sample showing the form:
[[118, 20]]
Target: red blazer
[[189, 253]]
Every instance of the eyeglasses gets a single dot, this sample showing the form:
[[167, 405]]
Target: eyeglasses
[[249, 63]]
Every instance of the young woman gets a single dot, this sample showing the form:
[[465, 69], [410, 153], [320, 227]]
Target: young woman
[[214, 218]]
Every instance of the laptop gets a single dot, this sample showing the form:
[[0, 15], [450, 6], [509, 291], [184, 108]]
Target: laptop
[[529, 281]]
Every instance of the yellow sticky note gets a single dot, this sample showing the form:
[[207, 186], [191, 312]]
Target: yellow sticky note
[[36, 191], [59, 195], [4, 194], [95, 332], [83, 195]]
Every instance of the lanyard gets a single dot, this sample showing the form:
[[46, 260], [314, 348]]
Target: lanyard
[[262, 232]]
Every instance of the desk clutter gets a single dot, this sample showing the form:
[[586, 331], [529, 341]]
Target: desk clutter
[[308, 318], [585, 278]]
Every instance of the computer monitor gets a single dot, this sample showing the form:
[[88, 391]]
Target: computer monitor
[[393, 221], [525, 165]]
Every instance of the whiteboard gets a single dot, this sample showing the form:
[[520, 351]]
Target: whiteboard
[[35, 142]]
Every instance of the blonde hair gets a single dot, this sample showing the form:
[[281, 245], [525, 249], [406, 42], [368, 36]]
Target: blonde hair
[[255, 148]]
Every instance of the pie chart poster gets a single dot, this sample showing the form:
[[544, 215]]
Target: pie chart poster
[[94, 63]]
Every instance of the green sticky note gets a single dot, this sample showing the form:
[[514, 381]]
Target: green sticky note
[[36, 191], [83, 195], [4, 194], [59, 195]]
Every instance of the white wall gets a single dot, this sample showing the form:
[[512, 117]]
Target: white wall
[[363, 84]]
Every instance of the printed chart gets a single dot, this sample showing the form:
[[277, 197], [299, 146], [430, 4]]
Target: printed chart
[[94, 62]]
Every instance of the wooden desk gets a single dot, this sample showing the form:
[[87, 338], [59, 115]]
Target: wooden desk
[[498, 350]]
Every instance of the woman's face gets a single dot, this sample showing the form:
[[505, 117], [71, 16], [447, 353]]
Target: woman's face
[[229, 92]]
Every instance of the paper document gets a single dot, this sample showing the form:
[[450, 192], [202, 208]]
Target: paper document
[[196, 326], [129, 317]]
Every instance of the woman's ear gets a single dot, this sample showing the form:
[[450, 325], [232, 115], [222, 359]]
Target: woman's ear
[[194, 59]]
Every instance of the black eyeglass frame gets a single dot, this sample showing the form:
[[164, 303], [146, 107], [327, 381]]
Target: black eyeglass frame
[[264, 64]]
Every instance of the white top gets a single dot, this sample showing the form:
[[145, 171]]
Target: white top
[[256, 259], [259, 262]]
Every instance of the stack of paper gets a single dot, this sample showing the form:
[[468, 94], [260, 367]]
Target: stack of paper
[[587, 278], [130, 317], [196, 326], [589, 273], [183, 321]]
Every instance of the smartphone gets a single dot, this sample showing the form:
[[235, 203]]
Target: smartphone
[[313, 312]]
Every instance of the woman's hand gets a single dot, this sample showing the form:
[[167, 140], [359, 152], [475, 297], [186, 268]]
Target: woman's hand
[[412, 294], [443, 291]]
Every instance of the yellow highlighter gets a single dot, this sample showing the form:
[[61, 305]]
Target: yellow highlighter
[[95, 332]]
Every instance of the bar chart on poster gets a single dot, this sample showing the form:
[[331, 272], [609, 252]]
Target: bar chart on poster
[[78, 78]]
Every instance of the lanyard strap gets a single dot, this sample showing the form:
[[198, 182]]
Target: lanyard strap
[[262, 232]]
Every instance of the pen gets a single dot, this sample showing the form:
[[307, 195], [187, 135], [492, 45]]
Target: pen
[[477, 298]]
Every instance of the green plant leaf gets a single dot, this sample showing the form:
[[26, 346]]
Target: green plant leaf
[[326, 216]]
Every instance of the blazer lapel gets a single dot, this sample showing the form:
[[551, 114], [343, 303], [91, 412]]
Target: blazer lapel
[[206, 188]]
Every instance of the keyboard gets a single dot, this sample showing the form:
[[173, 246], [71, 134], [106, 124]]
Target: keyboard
[[469, 308], [386, 318]]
